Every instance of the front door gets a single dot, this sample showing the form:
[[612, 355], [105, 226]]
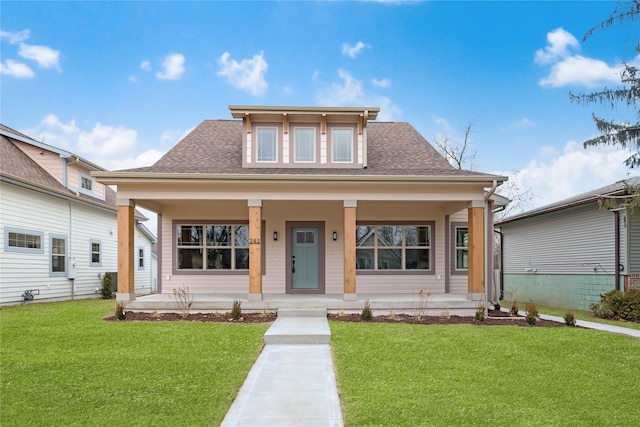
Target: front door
[[305, 267]]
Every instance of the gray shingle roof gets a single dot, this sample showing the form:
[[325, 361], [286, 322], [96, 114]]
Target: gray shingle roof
[[587, 197], [394, 148], [17, 165]]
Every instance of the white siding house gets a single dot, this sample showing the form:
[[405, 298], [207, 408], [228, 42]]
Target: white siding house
[[568, 253], [59, 227]]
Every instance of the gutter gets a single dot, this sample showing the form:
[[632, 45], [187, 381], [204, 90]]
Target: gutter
[[110, 178], [493, 189]]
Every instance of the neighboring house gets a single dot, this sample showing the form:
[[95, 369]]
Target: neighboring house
[[59, 225], [566, 254], [310, 200]]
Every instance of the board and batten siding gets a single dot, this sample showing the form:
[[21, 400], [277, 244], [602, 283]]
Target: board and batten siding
[[632, 265], [572, 241]]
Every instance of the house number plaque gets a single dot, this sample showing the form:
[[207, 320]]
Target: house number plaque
[[254, 241]]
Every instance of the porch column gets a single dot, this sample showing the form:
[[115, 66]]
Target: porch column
[[255, 249], [126, 273], [350, 249], [476, 250]]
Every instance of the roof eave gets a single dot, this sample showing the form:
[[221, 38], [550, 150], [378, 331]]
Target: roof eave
[[114, 178], [239, 111]]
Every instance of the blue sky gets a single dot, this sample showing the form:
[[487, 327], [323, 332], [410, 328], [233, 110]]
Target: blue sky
[[121, 82]]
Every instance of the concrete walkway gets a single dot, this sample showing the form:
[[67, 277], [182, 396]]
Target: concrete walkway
[[293, 381], [586, 324]]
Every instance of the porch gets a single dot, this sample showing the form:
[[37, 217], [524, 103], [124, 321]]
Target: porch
[[434, 305]]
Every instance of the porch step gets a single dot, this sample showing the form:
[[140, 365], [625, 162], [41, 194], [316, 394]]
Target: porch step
[[298, 330], [302, 312]]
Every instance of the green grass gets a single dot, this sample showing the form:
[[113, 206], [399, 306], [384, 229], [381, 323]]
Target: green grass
[[585, 315], [413, 375], [62, 364]]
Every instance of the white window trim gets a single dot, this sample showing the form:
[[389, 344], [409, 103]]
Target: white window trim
[[143, 258], [277, 148], [333, 150], [456, 248], [295, 146], [91, 179]]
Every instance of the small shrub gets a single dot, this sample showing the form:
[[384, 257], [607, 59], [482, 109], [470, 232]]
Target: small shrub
[[570, 318], [618, 305], [531, 313], [107, 286], [119, 312], [446, 314], [513, 308], [183, 299], [421, 305], [236, 310], [496, 306], [366, 314], [480, 312]]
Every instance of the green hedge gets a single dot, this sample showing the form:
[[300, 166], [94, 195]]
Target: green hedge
[[619, 306]]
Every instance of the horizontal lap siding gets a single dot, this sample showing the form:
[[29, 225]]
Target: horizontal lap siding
[[574, 241], [30, 210]]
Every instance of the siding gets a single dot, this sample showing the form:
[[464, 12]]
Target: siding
[[78, 222], [48, 160], [633, 245], [575, 240]]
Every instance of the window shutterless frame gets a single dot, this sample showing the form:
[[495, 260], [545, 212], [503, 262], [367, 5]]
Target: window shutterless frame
[[267, 144], [304, 145], [342, 145]]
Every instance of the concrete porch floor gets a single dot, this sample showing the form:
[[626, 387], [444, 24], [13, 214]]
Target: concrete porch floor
[[437, 304]]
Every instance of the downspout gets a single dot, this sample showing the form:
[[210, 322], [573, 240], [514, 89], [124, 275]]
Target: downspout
[[616, 225], [501, 263], [493, 190], [365, 118]]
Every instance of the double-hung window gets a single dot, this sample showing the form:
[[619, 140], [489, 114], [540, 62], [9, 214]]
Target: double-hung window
[[267, 144], [342, 145], [96, 253], [393, 247], [212, 247], [462, 248], [305, 145], [58, 255], [140, 258]]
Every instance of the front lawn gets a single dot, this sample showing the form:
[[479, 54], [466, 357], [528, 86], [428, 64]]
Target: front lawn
[[415, 375], [585, 315], [62, 364]]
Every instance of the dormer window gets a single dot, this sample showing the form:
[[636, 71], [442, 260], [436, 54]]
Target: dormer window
[[305, 145], [342, 145], [86, 183], [267, 144]]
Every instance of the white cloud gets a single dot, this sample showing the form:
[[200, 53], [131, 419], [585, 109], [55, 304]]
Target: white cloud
[[351, 93], [43, 55], [15, 37], [569, 68], [173, 67], [578, 70], [381, 82], [16, 69], [572, 172], [315, 76], [145, 65], [247, 75], [442, 122], [112, 147], [521, 124], [558, 43], [353, 51]]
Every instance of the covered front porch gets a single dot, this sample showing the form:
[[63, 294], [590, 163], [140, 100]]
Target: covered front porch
[[433, 305]]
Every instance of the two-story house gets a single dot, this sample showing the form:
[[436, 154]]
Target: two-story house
[[310, 200], [59, 226]]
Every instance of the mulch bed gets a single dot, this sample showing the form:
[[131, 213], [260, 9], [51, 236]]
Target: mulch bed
[[495, 317]]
